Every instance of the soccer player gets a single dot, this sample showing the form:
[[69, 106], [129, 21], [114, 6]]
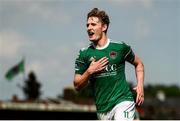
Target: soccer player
[[102, 66]]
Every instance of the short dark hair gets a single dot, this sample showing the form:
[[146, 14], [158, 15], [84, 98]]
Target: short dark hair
[[102, 15]]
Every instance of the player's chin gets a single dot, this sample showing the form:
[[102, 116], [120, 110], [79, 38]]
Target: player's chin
[[92, 39]]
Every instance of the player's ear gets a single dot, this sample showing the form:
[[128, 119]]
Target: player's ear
[[104, 27]]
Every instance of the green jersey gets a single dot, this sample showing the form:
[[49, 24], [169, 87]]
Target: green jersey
[[109, 86]]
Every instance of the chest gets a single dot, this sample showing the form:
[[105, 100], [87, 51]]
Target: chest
[[114, 56]]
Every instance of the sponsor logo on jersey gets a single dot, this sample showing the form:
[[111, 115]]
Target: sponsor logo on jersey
[[113, 54], [110, 68]]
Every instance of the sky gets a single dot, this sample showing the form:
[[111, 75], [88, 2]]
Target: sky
[[50, 33]]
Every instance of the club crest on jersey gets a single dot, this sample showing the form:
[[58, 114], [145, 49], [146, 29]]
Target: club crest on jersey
[[113, 54]]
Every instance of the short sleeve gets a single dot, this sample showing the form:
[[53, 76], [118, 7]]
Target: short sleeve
[[129, 54], [80, 64]]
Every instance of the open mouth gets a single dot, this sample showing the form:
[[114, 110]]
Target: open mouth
[[90, 33]]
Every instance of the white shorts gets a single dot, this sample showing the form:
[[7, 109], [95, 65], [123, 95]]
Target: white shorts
[[122, 111]]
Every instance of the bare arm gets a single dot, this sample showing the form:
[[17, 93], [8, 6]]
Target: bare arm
[[96, 66], [139, 70]]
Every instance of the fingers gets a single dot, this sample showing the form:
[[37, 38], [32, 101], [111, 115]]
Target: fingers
[[140, 95], [102, 63], [139, 99], [103, 60]]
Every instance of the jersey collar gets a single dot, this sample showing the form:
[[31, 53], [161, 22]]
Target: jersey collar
[[105, 46]]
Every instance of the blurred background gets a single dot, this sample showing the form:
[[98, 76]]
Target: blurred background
[[40, 39]]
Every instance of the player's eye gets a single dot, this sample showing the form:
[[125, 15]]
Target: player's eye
[[93, 24]]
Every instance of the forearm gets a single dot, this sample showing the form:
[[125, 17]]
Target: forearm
[[139, 70], [81, 81], [140, 74], [140, 83]]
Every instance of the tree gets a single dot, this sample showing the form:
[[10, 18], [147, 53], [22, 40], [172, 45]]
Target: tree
[[32, 87]]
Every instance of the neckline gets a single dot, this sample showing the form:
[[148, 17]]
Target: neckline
[[105, 46]]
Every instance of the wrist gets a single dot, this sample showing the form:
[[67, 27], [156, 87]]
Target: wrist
[[89, 71], [140, 84]]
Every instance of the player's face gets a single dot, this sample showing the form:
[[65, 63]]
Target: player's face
[[95, 29]]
